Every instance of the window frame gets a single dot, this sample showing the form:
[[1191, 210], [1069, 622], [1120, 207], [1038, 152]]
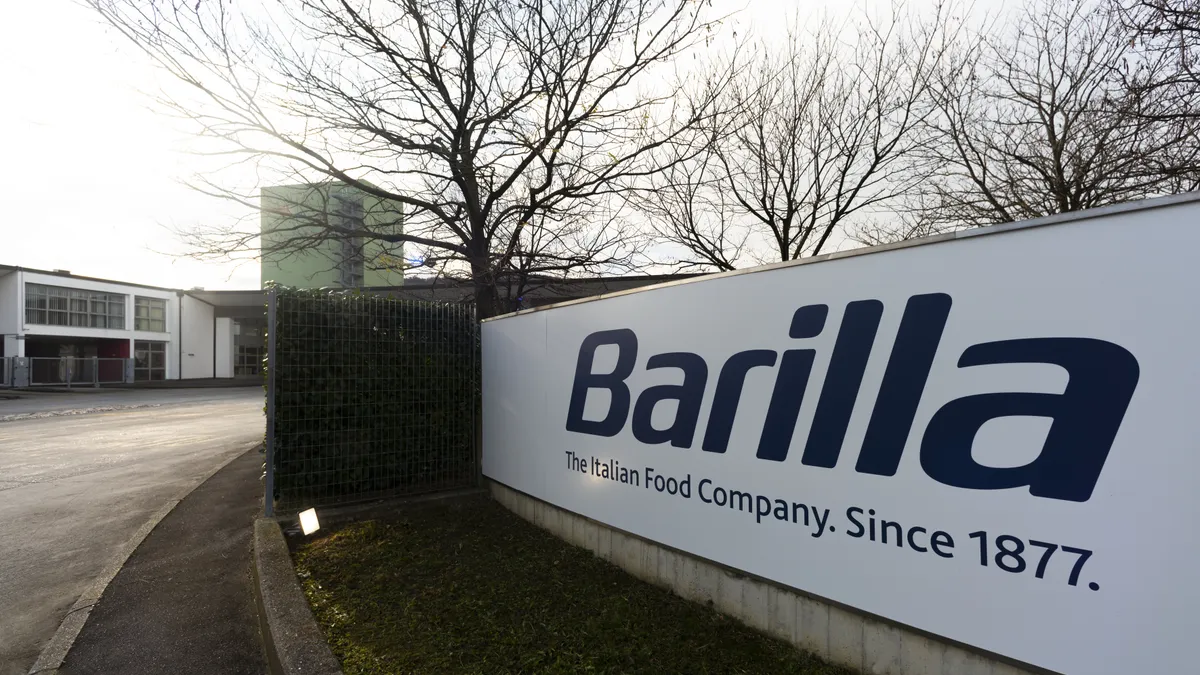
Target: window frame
[[144, 310], [48, 305], [247, 360], [144, 353]]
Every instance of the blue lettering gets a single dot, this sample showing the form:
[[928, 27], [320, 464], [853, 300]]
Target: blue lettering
[[790, 383], [842, 381], [729, 394], [903, 383], [689, 396], [860, 530], [1102, 377], [614, 382], [1086, 416]]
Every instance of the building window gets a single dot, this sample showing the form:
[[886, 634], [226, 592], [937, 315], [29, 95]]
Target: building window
[[247, 329], [149, 360], [57, 306], [249, 361], [149, 314], [248, 347]]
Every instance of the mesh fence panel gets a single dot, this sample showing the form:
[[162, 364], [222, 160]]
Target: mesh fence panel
[[372, 397]]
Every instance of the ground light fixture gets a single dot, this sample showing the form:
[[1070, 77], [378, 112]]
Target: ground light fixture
[[308, 521]]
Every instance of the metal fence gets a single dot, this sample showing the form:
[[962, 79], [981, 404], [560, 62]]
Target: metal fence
[[6, 376], [70, 371], [368, 397]]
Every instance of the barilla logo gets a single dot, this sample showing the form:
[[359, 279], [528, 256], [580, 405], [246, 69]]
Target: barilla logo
[[1085, 417]]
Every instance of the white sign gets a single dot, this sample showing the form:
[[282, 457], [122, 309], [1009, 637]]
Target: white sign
[[995, 439]]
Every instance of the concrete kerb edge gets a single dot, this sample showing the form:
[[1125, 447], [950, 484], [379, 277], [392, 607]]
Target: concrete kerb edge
[[52, 655], [294, 643]]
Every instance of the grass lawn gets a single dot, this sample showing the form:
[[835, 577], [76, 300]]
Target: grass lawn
[[472, 588]]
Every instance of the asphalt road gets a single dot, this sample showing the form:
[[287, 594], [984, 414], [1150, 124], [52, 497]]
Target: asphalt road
[[75, 486]]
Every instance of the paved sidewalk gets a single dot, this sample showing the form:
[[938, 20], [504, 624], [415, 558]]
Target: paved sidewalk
[[183, 603]]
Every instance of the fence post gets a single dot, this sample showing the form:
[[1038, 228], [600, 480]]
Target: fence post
[[477, 391], [96, 372], [269, 495]]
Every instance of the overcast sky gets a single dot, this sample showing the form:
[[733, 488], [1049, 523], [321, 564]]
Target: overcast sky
[[92, 175]]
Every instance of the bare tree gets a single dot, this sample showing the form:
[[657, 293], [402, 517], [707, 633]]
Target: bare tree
[[1166, 46], [689, 207], [1037, 120], [505, 129], [816, 134], [896, 227]]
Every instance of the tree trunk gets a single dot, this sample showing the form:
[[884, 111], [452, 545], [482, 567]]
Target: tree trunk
[[486, 305]]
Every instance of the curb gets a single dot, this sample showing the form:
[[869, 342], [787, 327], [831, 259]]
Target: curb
[[292, 639], [52, 655]]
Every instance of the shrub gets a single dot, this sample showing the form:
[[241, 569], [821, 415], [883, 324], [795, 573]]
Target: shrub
[[374, 396]]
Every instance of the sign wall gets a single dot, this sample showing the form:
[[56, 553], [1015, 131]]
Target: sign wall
[[994, 439]]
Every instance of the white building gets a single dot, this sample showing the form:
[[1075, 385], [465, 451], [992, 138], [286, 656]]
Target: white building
[[58, 327]]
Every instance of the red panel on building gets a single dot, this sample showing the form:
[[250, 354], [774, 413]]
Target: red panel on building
[[113, 349]]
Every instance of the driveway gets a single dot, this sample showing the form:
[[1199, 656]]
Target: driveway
[[76, 486]]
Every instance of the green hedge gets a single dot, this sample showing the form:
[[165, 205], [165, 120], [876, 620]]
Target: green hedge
[[374, 397]]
